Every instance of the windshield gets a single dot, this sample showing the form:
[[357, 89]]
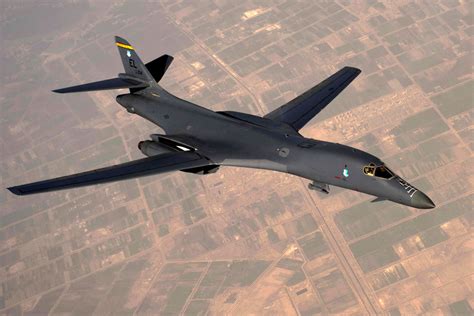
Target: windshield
[[378, 171]]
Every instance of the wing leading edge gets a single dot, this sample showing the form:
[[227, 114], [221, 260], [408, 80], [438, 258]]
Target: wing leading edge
[[137, 168], [303, 108], [109, 84]]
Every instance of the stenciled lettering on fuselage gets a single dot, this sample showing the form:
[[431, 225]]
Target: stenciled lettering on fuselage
[[410, 189], [131, 62]]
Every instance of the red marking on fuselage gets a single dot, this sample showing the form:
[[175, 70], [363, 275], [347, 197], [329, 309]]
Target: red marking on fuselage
[[337, 177]]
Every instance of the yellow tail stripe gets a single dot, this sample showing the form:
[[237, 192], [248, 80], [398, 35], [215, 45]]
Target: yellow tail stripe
[[124, 46]]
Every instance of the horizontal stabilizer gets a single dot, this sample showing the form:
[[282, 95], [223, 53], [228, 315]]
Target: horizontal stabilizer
[[158, 67], [137, 168], [109, 84]]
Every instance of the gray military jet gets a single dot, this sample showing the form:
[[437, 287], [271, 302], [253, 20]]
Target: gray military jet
[[198, 140]]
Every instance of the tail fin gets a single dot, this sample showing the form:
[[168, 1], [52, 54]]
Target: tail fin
[[131, 62], [137, 76], [158, 67]]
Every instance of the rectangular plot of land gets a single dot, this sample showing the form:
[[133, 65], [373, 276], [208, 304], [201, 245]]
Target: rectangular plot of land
[[181, 271], [388, 276], [244, 273], [334, 291], [460, 308], [418, 127], [408, 228], [300, 226], [172, 288], [455, 100], [297, 277], [222, 274], [197, 240], [78, 301], [176, 299], [121, 299], [216, 273], [313, 245], [197, 308], [367, 217], [433, 146], [46, 302], [290, 264], [206, 292], [437, 152], [377, 259], [433, 236], [245, 47]]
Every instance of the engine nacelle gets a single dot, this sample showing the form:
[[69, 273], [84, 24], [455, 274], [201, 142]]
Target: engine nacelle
[[150, 148], [319, 186], [202, 170], [173, 142]]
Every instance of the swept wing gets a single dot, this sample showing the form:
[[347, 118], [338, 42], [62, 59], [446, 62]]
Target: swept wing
[[137, 168], [303, 108]]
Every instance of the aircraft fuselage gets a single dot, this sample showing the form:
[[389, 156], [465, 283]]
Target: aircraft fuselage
[[231, 141], [199, 140]]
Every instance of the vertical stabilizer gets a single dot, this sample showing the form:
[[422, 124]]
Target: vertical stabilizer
[[158, 67], [131, 62]]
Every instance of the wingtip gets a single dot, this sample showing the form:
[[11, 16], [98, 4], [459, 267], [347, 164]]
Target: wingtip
[[353, 69], [15, 190]]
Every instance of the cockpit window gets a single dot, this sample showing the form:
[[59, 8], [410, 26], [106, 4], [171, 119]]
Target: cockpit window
[[369, 170], [378, 171], [383, 172]]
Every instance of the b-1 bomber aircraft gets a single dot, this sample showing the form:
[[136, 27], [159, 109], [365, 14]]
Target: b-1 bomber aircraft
[[200, 141]]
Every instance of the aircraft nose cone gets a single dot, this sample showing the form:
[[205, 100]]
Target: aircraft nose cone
[[421, 200]]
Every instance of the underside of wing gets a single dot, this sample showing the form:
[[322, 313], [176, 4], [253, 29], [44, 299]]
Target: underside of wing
[[133, 169], [303, 108]]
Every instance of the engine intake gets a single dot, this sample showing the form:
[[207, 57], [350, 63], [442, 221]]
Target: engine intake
[[150, 148]]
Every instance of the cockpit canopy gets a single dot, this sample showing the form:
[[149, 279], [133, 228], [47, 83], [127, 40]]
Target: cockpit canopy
[[380, 171]]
